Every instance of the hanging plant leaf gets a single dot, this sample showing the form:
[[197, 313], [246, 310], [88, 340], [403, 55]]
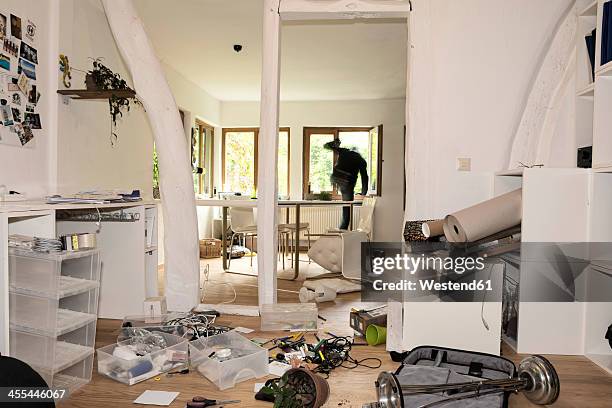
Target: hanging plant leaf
[[103, 78]]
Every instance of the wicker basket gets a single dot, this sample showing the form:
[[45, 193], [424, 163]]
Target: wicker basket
[[210, 248]]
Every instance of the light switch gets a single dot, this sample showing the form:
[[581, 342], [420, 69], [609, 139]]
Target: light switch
[[464, 164]]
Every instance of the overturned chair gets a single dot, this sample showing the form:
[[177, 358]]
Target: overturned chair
[[336, 250]]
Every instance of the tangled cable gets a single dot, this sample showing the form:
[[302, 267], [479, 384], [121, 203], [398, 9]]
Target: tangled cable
[[330, 354], [197, 325]]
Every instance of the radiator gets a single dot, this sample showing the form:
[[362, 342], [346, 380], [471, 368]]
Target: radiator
[[320, 219]]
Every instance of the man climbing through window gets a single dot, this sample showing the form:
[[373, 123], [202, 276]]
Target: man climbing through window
[[348, 166]]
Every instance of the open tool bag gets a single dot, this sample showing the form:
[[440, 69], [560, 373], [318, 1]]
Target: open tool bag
[[437, 365]]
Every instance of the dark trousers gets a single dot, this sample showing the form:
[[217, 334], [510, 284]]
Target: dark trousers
[[348, 195]]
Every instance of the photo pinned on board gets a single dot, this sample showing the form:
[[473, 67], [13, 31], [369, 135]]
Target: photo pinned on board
[[30, 31], [26, 135], [16, 26], [5, 62], [27, 68], [32, 95], [2, 26], [16, 115], [12, 84], [10, 47], [32, 120], [5, 113], [16, 100], [28, 53], [24, 84], [30, 108]]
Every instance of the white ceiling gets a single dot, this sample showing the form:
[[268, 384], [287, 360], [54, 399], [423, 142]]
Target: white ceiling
[[319, 61]]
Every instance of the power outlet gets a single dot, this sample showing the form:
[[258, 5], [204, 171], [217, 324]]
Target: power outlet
[[464, 164]]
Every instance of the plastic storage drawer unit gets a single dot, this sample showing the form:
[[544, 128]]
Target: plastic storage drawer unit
[[120, 361], [289, 316], [235, 359]]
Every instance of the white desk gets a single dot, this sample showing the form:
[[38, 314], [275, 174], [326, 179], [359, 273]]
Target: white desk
[[129, 268], [298, 204]]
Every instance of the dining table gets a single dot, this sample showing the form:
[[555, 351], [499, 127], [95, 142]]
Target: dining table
[[228, 202]]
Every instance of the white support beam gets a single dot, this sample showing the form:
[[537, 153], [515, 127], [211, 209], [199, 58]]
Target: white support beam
[[176, 180], [267, 197], [343, 9]]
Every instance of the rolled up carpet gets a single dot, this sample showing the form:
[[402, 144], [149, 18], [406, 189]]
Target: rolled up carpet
[[484, 219]]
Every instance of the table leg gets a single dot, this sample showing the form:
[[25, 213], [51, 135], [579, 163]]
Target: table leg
[[224, 237], [296, 242]]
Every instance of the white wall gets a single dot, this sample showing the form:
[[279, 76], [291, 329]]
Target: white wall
[[474, 61], [86, 158], [296, 115], [31, 170]]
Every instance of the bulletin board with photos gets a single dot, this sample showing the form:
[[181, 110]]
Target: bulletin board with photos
[[19, 96]]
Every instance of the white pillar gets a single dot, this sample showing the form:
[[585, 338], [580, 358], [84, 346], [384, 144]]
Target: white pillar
[[267, 198], [176, 179]]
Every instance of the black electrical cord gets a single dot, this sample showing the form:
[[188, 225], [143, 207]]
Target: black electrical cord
[[330, 354]]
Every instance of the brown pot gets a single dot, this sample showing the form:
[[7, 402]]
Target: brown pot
[[312, 381], [90, 83]]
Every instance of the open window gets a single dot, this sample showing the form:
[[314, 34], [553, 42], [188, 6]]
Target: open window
[[318, 162]]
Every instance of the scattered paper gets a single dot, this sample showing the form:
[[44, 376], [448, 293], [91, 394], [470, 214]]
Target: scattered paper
[[258, 387], [161, 398], [244, 330], [277, 368]]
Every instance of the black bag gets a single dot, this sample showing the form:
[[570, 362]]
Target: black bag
[[17, 374], [438, 365]]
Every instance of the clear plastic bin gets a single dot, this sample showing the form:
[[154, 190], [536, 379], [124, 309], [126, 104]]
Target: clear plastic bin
[[289, 316], [132, 371], [71, 378], [54, 275], [246, 359], [46, 353], [52, 317]]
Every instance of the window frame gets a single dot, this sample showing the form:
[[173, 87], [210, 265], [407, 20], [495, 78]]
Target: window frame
[[335, 131], [200, 124], [255, 131]]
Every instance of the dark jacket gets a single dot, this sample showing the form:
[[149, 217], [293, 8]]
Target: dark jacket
[[349, 165]]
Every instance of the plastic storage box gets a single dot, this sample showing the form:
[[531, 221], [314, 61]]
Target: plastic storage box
[[53, 302], [236, 359], [289, 316], [131, 370]]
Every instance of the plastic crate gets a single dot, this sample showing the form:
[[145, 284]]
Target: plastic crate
[[46, 353], [53, 304], [132, 371], [247, 360], [54, 275], [289, 316], [52, 317]]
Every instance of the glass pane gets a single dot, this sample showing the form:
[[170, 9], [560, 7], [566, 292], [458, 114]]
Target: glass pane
[[321, 163], [283, 163], [240, 162], [373, 159], [359, 142], [195, 158]]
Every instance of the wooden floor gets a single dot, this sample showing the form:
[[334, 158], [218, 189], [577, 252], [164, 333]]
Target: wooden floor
[[583, 383]]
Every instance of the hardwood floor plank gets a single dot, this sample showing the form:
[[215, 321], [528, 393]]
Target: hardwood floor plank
[[583, 384]]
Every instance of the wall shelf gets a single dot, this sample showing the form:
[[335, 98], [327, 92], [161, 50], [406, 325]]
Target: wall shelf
[[590, 10], [95, 94], [587, 92], [605, 70]]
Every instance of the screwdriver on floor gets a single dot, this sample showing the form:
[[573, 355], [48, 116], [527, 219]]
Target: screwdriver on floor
[[201, 402]]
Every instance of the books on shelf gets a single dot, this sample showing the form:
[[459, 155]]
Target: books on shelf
[[606, 34], [590, 45]]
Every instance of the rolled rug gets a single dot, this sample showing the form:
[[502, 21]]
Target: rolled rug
[[433, 228], [484, 219]]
